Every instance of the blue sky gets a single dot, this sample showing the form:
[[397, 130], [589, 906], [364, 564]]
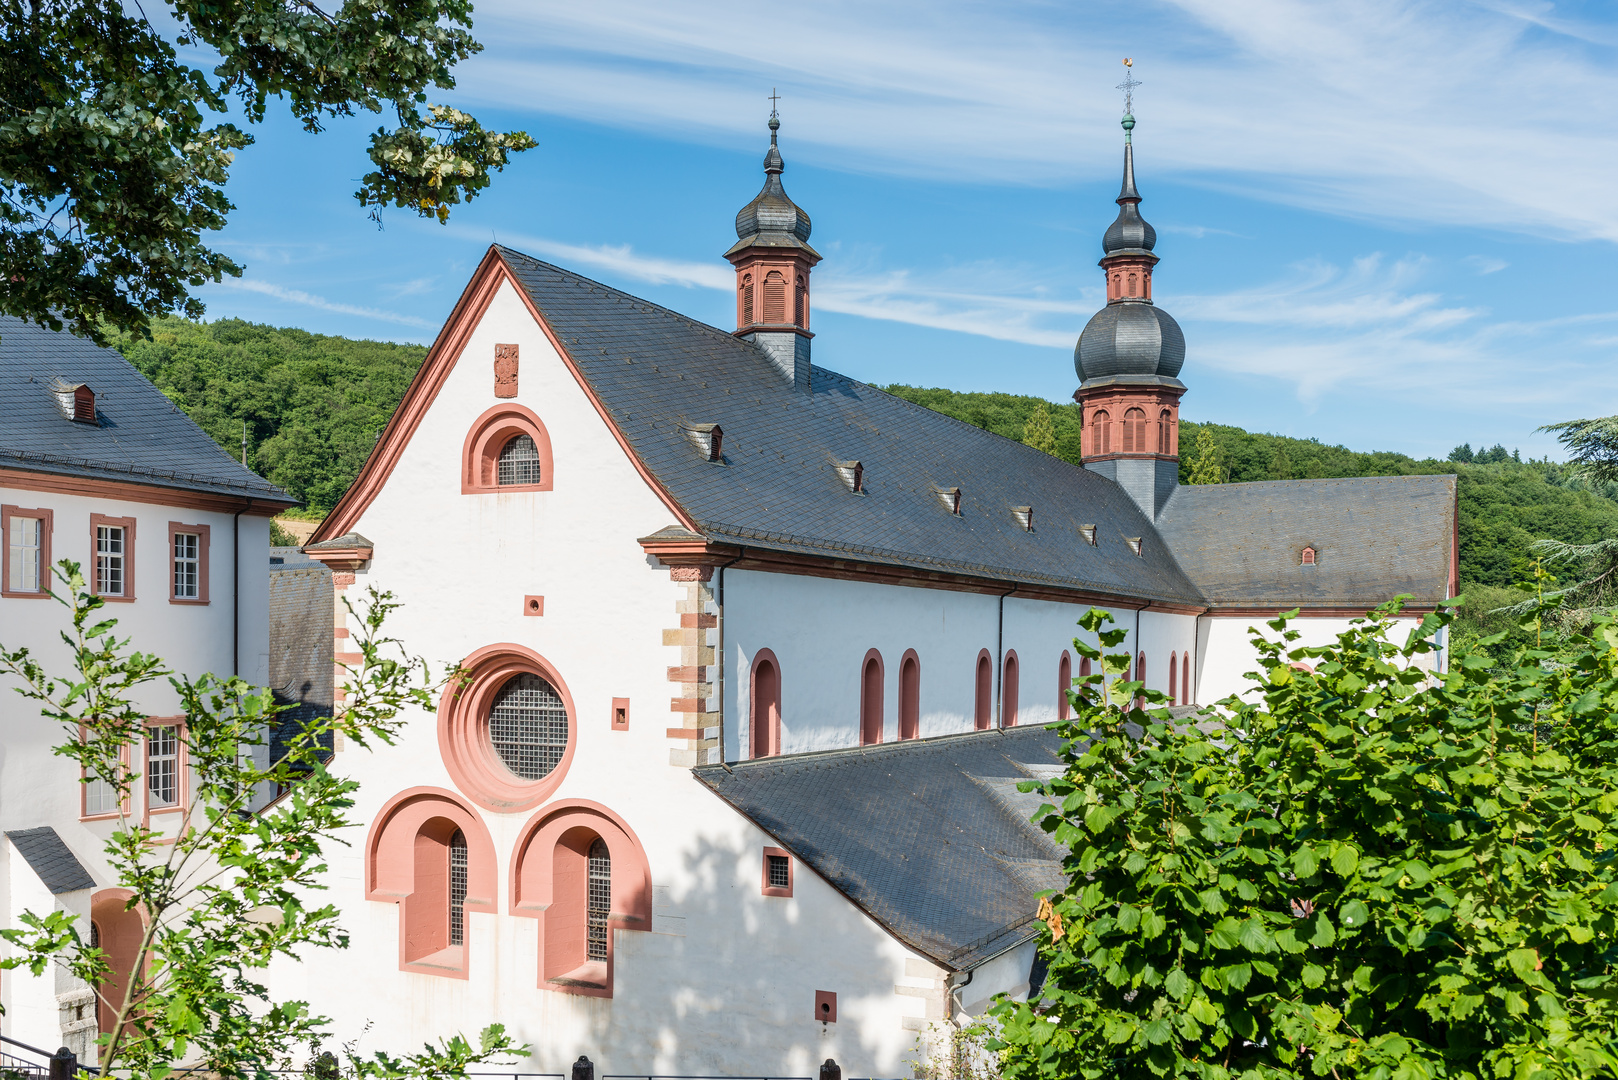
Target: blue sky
[[1388, 225]]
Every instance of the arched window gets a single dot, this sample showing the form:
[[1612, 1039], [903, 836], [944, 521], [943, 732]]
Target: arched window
[[518, 462], [599, 900], [775, 297], [1308, 556], [1140, 676], [1134, 431], [909, 696], [983, 712], [1185, 679], [1117, 286], [1064, 683], [457, 888], [1133, 283], [1174, 681], [1008, 692], [1165, 428], [801, 307], [871, 699], [747, 300], [1100, 432], [528, 726], [766, 705], [116, 928], [1084, 687]]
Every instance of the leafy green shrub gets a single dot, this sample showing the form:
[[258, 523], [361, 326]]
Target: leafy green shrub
[[1368, 871]]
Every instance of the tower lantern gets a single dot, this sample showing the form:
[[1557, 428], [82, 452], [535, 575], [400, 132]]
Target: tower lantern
[[773, 260]]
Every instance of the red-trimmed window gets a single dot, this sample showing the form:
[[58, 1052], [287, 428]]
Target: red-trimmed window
[[507, 450], [1064, 683], [983, 706], [1135, 431], [1174, 678], [1307, 558], [98, 798], [1140, 676], [746, 316], [909, 695], [112, 551], [775, 298], [1185, 679], [25, 552], [801, 308], [1084, 689], [188, 563], [1008, 690], [165, 766], [871, 699], [765, 702], [1165, 429], [1100, 432], [777, 868]]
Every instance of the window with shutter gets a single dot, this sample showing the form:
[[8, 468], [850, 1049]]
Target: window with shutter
[[747, 299], [775, 298]]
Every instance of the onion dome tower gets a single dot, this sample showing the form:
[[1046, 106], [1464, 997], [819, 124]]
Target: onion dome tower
[[773, 259], [1128, 359]]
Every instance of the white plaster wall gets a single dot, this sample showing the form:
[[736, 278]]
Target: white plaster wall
[[1226, 653]]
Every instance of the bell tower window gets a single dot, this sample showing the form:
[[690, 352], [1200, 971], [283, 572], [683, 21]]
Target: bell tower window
[[747, 300], [801, 307], [775, 298], [1100, 432], [1135, 431]]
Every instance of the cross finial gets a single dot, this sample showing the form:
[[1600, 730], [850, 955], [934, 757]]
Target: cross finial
[[1128, 85], [774, 97]]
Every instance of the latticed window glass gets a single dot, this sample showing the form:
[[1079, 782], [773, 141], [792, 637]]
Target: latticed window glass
[[528, 726], [23, 558], [100, 797], [780, 872], [162, 766], [110, 560], [519, 462], [187, 579], [457, 888], [600, 898]]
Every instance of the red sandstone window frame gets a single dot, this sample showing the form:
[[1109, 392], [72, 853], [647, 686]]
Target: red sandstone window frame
[[1010, 686], [463, 741], [983, 692], [119, 929], [871, 695], [1140, 675], [1185, 678], [775, 890], [488, 435], [1064, 683], [909, 696], [535, 893], [125, 809], [1174, 681], [182, 767], [128, 525], [202, 533], [1085, 689], [771, 724], [47, 522]]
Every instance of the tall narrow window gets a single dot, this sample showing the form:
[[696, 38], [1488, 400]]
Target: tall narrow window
[[801, 307], [1008, 692], [1174, 679], [162, 766], [1140, 676], [747, 299], [871, 699], [1064, 683], [775, 298], [457, 888], [109, 560], [1134, 431], [766, 705], [100, 796], [1084, 688], [518, 462], [187, 566], [909, 697], [1165, 428], [1101, 433], [24, 555], [528, 726], [600, 900], [1185, 679], [983, 712]]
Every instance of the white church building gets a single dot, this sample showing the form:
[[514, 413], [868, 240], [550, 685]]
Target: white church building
[[757, 655]]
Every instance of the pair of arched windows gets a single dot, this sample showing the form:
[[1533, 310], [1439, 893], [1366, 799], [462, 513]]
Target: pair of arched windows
[[873, 677], [1010, 681]]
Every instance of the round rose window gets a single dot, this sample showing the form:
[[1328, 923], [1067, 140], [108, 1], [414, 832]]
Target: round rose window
[[528, 726], [507, 728]]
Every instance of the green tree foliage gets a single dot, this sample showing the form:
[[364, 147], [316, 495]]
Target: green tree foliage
[[228, 891], [313, 405], [1362, 871], [1039, 432], [1207, 464], [114, 157]]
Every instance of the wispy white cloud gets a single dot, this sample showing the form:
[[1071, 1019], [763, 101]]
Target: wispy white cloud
[[298, 296], [1485, 264]]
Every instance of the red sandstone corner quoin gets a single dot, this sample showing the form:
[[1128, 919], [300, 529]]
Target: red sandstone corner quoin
[[462, 729]]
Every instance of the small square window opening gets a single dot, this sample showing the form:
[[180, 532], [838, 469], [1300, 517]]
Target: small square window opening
[[780, 872]]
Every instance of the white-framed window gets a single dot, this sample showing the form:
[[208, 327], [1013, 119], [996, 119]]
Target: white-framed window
[[162, 766], [187, 566], [24, 559], [110, 560]]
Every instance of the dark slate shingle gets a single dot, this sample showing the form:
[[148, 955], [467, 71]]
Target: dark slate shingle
[[50, 859]]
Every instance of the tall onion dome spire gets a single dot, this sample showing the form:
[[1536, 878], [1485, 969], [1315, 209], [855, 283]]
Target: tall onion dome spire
[[1129, 356], [773, 259]]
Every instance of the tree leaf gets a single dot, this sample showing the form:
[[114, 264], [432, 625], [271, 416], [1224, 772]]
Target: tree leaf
[[1313, 976]]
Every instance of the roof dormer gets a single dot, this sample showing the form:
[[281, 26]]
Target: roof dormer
[[75, 401]]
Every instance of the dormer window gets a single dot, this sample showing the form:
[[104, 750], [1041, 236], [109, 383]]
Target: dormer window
[[75, 401], [708, 439], [1089, 534], [1024, 516], [950, 497], [853, 474], [1134, 545], [1307, 558]]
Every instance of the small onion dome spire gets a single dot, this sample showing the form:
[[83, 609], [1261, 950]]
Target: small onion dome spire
[[1130, 232], [772, 219]]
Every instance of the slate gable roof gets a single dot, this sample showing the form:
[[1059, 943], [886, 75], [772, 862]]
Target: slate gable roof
[[657, 372], [50, 859], [1375, 538], [141, 437], [931, 837]]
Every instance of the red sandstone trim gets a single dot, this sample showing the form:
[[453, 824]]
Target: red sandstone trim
[[983, 692], [1010, 685], [771, 725], [84, 791], [620, 714], [202, 532], [872, 690], [182, 770], [47, 519], [1064, 683], [826, 1006], [488, 436], [775, 890], [909, 695], [533, 605], [462, 729], [120, 928], [128, 525]]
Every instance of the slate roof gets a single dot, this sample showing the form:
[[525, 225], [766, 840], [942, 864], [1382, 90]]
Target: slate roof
[[1375, 538], [301, 672], [657, 371], [141, 436], [931, 838], [50, 859]]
